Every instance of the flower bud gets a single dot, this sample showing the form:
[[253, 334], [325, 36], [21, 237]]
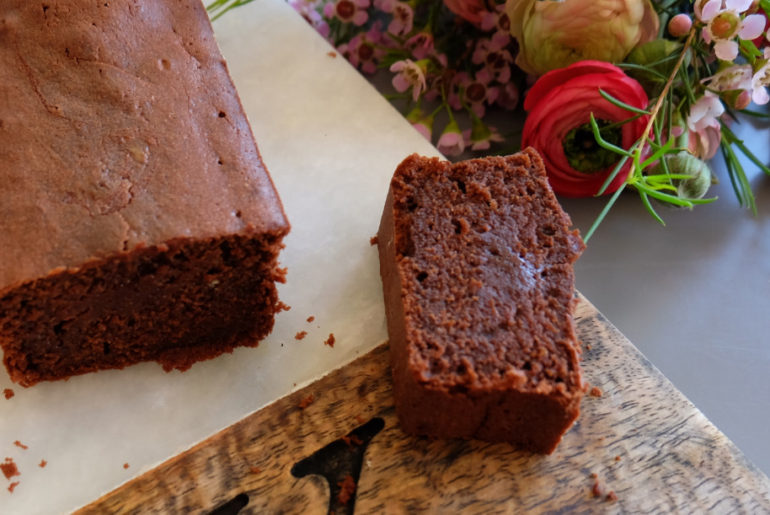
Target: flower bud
[[684, 163], [679, 25]]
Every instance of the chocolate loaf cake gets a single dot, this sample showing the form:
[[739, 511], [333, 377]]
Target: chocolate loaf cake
[[476, 264], [137, 220]]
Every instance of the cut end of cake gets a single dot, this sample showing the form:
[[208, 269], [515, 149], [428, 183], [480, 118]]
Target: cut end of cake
[[476, 260]]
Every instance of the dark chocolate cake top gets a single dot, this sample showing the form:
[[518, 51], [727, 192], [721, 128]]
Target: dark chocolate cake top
[[119, 127]]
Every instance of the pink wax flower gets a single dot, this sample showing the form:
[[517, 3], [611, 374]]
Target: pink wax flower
[[348, 11], [492, 52], [409, 74], [403, 19], [451, 142], [363, 51], [724, 24]]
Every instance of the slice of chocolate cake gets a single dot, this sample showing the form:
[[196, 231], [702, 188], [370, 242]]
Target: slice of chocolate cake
[[476, 263], [137, 220]]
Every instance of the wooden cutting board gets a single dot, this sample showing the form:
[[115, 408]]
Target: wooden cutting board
[[335, 446]]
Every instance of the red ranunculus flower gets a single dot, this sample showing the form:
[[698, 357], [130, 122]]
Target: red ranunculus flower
[[558, 125]]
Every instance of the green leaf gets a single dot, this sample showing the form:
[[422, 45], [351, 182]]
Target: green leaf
[[621, 104], [604, 212], [605, 144]]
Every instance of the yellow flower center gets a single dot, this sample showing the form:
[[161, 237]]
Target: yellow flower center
[[725, 25]]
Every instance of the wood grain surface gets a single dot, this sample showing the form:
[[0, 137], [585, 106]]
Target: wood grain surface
[[640, 447]]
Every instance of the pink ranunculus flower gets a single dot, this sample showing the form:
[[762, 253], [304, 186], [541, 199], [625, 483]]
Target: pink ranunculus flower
[[560, 104], [470, 10], [554, 33]]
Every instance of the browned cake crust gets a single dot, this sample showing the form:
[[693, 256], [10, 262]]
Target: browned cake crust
[[137, 221], [476, 263]]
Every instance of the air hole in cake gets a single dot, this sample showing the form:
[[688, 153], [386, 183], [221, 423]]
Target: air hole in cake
[[106, 347], [238, 214], [411, 204], [147, 269], [214, 271], [460, 184], [458, 228], [58, 329], [45, 8], [422, 276], [131, 322], [527, 366], [181, 256], [494, 251], [220, 162], [222, 114], [227, 254], [548, 230], [530, 191]]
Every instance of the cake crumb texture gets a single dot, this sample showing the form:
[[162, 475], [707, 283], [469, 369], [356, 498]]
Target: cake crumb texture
[[476, 260]]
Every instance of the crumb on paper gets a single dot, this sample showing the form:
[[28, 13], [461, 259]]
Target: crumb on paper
[[307, 401], [8, 393], [280, 306], [331, 53], [595, 391], [617, 458], [13, 486], [126, 465], [612, 496], [594, 475], [300, 335], [20, 445], [255, 470], [9, 468], [330, 340], [352, 440], [310, 318], [596, 490], [374, 240], [42, 464], [588, 346], [347, 489]]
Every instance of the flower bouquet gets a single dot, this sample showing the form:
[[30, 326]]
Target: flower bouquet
[[617, 94]]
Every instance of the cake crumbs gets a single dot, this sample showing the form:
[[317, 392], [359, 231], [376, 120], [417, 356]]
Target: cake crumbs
[[13, 486], [20, 445], [255, 470], [588, 346], [9, 468], [330, 340], [596, 490], [126, 465], [347, 489], [42, 464], [280, 306], [300, 335], [310, 319], [612, 496], [331, 53], [8, 393], [374, 240], [617, 458], [307, 401], [352, 440], [595, 391]]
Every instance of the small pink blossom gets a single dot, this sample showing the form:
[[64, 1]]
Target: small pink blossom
[[496, 19], [481, 136], [421, 45], [421, 121], [403, 19], [760, 80], [473, 92], [309, 10], [348, 11], [451, 142], [408, 75], [723, 24], [363, 51], [495, 56], [704, 143], [705, 112]]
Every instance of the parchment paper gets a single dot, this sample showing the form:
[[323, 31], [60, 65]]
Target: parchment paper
[[331, 143]]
